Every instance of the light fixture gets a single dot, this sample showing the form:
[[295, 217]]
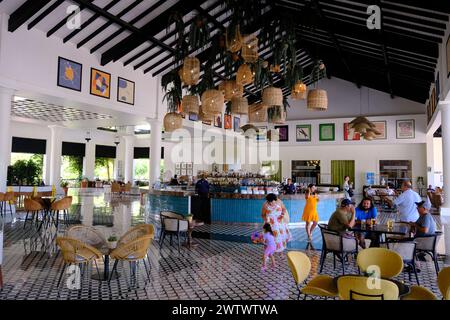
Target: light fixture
[[117, 141], [88, 137]]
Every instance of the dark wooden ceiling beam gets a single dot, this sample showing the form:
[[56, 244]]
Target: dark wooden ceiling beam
[[24, 13], [45, 13], [383, 47]]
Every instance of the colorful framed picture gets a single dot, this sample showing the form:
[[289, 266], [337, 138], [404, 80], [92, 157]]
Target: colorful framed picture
[[405, 129], [326, 132], [207, 122], [350, 134], [193, 116], [70, 74], [381, 127], [236, 124], [100, 83], [448, 56], [261, 135], [218, 121], [227, 122], [126, 91], [283, 133], [303, 132]]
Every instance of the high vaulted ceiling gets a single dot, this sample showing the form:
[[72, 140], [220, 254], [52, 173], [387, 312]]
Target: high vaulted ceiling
[[399, 59]]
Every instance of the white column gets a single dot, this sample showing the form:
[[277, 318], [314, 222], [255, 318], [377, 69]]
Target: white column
[[89, 161], [55, 154], [430, 159], [128, 158], [445, 209], [6, 96], [155, 150]]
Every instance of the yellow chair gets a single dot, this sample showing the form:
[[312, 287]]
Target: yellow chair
[[33, 207], [89, 235], [137, 232], [356, 288], [419, 293], [300, 266], [443, 281], [389, 262]]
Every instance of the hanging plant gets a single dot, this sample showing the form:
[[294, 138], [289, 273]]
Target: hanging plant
[[171, 84], [180, 42], [199, 33], [318, 72]]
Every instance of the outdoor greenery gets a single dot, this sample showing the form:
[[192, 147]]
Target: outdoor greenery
[[24, 172], [71, 167], [104, 168]]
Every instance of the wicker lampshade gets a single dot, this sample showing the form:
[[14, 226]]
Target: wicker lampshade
[[249, 50], [172, 121], [190, 72], [317, 100], [213, 101], [369, 135], [272, 96], [239, 105], [280, 115], [244, 75], [190, 104], [231, 89], [299, 91], [234, 42], [257, 113], [204, 116]]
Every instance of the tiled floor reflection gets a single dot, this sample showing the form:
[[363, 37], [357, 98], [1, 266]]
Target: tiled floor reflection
[[224, 265]]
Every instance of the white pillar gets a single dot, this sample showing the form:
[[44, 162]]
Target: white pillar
[[430, 160], [445, 209], [89, 161], [55, 154], [155, 150], [6, 96], [128, 158]]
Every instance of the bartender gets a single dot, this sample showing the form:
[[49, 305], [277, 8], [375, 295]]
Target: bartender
[[202, 189], [174, 181], [289, 188]]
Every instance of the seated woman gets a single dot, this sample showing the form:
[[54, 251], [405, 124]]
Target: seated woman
[[365, 211]]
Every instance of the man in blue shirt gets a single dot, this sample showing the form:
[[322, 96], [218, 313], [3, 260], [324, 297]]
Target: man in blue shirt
[[366, 211], [406, 203], [290, 187], [202, 187], [425, 225]]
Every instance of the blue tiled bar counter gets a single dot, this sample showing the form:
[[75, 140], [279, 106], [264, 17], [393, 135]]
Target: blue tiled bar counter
[[239, 208]]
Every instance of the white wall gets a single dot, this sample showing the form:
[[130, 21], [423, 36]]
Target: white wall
[[438, 162], [443, 69]]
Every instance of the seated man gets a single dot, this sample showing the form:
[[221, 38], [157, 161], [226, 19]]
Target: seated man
[[425, 225], [343, 218], [365, 211]]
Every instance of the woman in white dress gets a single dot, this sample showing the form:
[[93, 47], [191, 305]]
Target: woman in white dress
[[273, 212], [347, 186]]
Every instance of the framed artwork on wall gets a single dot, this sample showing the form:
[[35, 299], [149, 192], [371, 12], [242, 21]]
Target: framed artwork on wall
[[70, 74], [380, 126], [189, 172], [350, 134], [125, 91], [227, 122], [207, 122], [283, 133], [100, 83], [405, 129], [193, 116], [326, 132], [218, 121], [303, 132], [448, 56], [236, 124]]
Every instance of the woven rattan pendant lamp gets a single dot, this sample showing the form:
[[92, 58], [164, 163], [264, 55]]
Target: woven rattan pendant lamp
[[317, 99], [363, 126]]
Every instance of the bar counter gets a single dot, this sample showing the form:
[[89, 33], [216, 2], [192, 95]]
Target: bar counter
[[236, 207]]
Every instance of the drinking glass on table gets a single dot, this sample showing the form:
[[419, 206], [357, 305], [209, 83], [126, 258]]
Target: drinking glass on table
[[363, 223]]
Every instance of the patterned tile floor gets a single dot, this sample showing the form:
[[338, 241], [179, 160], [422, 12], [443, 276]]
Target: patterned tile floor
[[224, 265]]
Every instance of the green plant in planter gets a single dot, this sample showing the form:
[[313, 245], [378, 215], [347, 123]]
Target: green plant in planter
[[171, 84], [274, 112], [112, 238], [64, 184], [199, 33]]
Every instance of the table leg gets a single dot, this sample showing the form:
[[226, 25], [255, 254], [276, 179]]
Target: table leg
[[106, 271], [1, 278]]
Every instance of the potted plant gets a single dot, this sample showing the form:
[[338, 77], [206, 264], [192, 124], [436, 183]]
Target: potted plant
[[112, 242], [65, 185]]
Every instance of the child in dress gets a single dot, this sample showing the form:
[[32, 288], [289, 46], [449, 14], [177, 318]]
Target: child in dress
[[269, 246]]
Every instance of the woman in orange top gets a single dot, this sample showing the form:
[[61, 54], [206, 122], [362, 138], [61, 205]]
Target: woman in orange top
[[310, 214]]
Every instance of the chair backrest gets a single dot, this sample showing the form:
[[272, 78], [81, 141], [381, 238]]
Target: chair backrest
[[419, 293], [127, 187], [364, 288], [331, 240], [443, 281], [32, 205], [75, 251], [9, 196], [88, 235], [115, 187], [2, 196], [427, 242], [390, 263], [406, 250], [58, 205], [137, 232], [175, 224], [133, 250], [299, 264]]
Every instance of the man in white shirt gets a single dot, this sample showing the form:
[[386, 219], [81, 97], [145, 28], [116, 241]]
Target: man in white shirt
[[406, 203]]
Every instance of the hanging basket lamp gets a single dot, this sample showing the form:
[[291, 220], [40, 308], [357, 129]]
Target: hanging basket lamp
[[172, 121], [204, 116], [317, 100], [272, 97], [190, 104], [190, 72], [249, 50], [213, 101], [244, 75], [257, 113], [233, 41], [230, 89], [276, 115], [239, 105], [299, 91]]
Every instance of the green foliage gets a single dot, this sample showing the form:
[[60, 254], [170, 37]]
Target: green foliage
[[112, 238], [262, 75], [171, 84], [64, 183], [199, 33], [25, 172], [319, 71], [104, 168], [72, 167], [181, 44]]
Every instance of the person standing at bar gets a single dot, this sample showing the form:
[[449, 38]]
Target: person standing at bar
[[406, 203], [202, 189], [289, 188]]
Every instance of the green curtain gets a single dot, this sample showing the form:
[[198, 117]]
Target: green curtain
[[340, 169]]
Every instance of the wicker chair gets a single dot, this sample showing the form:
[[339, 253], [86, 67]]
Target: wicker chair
[[88, 235], [427, 245], [58, 206], [137, 232], [2, 202], [127, 188], [33, 207], [5, 199], [173, 224], [116, 189], [132, 252], [75, 252]]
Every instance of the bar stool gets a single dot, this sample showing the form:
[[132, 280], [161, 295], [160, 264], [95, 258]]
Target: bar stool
[[58, 206], [33, 207], [5, 199]]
